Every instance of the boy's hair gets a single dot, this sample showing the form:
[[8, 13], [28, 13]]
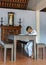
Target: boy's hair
[[28, 28]]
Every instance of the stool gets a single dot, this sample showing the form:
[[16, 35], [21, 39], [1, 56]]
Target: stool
[[41, 45], [6, 46]]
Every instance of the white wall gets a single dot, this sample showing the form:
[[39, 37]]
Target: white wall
[[27, 17], [43, 27]]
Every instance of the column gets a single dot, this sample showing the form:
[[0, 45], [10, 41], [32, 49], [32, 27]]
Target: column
[[38, 26]]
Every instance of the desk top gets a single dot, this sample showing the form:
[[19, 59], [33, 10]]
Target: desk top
[[25, 37], [27, 34]]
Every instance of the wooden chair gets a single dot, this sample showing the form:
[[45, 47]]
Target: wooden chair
[[7, 46], [42, 46]]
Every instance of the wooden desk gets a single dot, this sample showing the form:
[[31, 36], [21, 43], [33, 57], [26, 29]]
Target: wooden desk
[[24, 37]]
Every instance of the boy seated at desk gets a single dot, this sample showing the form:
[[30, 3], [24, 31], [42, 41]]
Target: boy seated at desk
[[28, 43]]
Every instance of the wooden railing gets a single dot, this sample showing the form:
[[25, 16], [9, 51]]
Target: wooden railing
[[16, 4]]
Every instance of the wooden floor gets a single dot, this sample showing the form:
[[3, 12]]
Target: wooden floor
[[22, 59]]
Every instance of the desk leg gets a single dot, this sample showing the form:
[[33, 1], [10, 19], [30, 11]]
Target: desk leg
[[14, 49], [35, 48]]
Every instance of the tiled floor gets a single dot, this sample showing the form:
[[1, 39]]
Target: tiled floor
[[22, 59]]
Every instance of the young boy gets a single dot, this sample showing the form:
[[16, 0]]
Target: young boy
[[28, 43]]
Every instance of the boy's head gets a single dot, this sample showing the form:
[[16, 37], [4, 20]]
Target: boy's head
[[29, 29]]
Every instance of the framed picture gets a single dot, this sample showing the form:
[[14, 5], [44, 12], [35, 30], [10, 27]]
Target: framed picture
[[11, 18]]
